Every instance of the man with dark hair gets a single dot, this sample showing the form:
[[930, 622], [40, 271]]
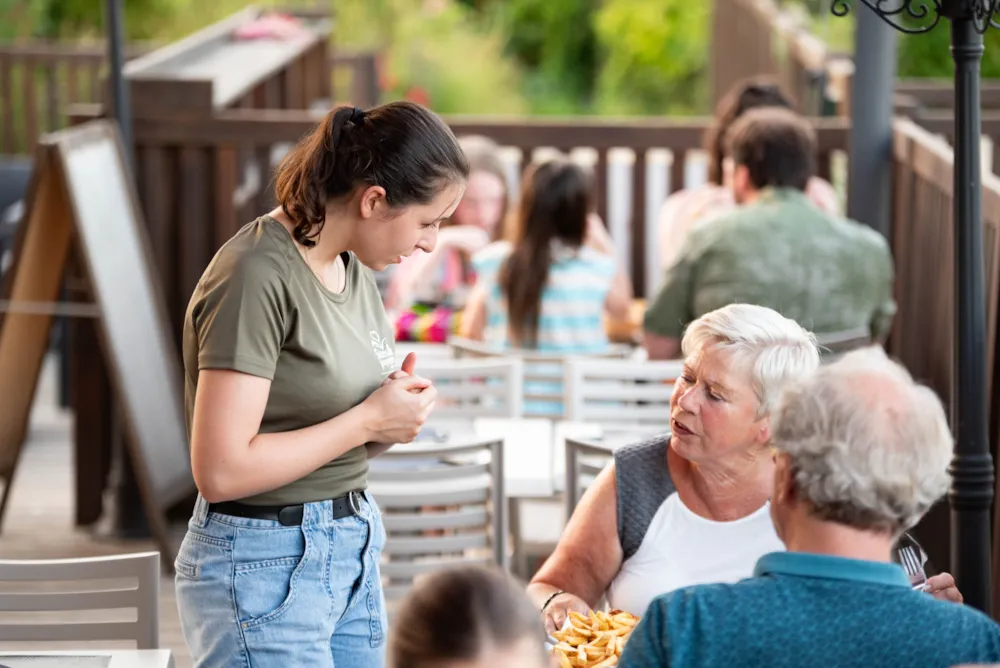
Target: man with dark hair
[[778, 250]]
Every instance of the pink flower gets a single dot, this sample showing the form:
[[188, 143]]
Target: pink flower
[[419, 95]]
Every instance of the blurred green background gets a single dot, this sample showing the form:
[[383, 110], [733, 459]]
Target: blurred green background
[[615, 57]]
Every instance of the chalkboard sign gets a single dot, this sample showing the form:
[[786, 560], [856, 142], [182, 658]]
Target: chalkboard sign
[[81, 191]]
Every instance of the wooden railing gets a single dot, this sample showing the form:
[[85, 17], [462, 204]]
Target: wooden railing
[[196, 192], [923, 248], [755, 37], [39, 81], [360, 68]]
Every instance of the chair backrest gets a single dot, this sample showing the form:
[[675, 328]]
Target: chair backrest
[[620, 391], [543, 373], [835, 344], [469, 388], [97, 584], [584, 460], [426, 352], [442, 506]]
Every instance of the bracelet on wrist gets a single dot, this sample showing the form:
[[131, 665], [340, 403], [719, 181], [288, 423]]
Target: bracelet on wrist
[[550, 599]]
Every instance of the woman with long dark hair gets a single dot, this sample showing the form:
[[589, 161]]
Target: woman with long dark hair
[[291, 384], [550, 290]]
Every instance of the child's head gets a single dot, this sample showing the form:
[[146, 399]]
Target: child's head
[[469, 617], [484, 204], [557, 199]]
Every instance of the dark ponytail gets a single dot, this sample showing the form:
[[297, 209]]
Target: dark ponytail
[[399, 146]]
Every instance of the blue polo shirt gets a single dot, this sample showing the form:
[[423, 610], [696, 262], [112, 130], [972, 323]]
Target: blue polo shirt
[[811, 610]]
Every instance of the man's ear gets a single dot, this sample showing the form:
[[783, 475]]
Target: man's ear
[[784, 481], [727, 171], [371, 201], [741, 182]]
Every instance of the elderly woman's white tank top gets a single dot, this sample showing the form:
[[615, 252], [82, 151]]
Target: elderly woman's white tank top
[[681, 548]]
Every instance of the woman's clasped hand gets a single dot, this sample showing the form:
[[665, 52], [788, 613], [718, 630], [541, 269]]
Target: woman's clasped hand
[[401, 405]]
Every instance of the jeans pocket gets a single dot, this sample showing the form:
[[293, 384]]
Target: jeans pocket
[[184, 569], [265, 583], [195, 549]]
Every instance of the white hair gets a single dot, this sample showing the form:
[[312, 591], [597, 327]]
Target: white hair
[[772, 348], [868, 446]]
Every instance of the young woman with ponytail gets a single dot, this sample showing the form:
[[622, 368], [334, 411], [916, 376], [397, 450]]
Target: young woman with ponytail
[[291, 384]]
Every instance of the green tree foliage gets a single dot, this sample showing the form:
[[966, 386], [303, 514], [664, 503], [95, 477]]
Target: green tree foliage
[[436, 54], [68, 19], [926, 55], [464, 56], [556, 45], [929, 55], [655, 56]]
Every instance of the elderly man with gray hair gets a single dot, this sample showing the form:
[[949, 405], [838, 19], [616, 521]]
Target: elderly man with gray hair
[[861, 454]]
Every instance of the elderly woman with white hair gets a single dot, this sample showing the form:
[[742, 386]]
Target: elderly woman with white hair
[[861, 453], [693, 507]]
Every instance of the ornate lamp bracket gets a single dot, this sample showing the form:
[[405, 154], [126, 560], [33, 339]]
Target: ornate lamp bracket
[[919, 16]]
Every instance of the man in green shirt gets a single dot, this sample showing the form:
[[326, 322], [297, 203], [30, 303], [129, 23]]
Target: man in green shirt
[[828, 273]]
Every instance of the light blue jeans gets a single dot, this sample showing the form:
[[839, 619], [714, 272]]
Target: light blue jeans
[[254, 593]]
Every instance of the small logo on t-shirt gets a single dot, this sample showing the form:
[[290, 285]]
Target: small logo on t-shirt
[[385, 351]]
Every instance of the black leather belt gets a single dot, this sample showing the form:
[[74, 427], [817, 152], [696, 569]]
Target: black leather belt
[[289, 516]]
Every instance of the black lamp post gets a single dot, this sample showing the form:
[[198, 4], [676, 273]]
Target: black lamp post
[[971, 494]]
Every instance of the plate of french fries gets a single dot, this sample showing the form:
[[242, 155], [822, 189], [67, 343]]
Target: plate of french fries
[[594, 640]]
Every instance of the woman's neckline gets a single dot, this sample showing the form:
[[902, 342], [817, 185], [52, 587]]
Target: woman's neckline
[[299, 259], [755, 514], [690, 488]]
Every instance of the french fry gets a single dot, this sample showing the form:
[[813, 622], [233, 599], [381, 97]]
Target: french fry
[[594, 640]]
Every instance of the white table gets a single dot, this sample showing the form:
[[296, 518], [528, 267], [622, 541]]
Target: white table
[[143, 658], [534, 448]]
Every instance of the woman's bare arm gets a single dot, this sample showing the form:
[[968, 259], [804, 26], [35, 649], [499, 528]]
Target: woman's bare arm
[[619, 297], [618, 303], [474, 314], [231, 460], [589, 555]]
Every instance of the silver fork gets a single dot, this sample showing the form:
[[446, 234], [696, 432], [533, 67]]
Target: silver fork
[[910, 562]]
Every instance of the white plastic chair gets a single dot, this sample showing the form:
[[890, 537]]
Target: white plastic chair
[[620, 391], [426, 352], [584, 461], [835, 344], [443, 507], [469, 389], [543, 373], [127, 581]]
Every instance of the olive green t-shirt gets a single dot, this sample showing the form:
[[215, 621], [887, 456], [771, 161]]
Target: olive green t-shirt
[[259, 309]]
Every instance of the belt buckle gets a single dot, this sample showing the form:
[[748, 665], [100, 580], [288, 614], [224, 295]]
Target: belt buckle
[[355, 504]]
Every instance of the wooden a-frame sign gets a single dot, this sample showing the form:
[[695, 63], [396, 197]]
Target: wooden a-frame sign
[[80, 194]]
